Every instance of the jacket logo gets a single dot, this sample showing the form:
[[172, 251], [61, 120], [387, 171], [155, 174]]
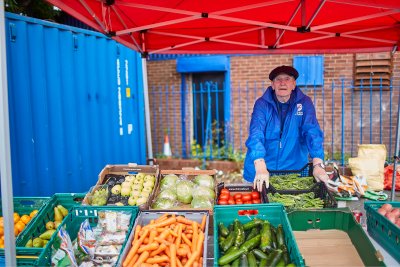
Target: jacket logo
[[299, 110]]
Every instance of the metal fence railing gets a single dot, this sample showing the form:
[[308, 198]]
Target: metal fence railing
[[200, 125]]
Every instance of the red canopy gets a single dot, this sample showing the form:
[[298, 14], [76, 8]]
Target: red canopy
[[250, 26]]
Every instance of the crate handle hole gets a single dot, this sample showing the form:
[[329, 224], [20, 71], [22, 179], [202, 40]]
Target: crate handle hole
[[27, 202], [318, 220], [247, 212], [309, 221]]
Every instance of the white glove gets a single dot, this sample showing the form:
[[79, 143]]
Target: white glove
[[262, 175], [320, 174]]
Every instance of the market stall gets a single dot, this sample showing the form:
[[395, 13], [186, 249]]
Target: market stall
[[185, 27]]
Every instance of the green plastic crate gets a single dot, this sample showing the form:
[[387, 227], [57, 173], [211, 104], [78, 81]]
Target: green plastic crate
[[274, 213], [73, 222], [381, 229], [339, 219], [25, 205], [38, 226]]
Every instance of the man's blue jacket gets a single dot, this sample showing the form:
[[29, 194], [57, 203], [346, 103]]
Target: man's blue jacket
[[289, 150]]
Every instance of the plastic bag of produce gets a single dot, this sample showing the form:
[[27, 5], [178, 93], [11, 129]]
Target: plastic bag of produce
[[62, 252], [203, 191], [184, 191], [169, 194], [205, 180], [201, 202], [168, 182], [389, 178], [163, 204]]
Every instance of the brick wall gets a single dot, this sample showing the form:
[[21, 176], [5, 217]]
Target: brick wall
[[249, 77]]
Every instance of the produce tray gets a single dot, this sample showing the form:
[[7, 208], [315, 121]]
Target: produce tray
[[274, 213], [307, 170], [129, 169], [73, 221], [190, 173], [67, 200], [381, 229], [145, 217], [238, 188], [340, 219], [25, 205], [319, 189]]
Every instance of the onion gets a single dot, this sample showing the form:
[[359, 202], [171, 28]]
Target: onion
[[391, 217], [398, 222], [396, 212], [387, 207], [382, 211]]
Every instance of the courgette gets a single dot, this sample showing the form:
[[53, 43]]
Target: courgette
[[235, 263], [259, 254], [238, 228], [251, 260], [251, 244], [280, 238], [229, 257], [274, 257], [228, 242], [223, 231], [263, 263], [243, 261], [266, 240], [254, 231], [281, 263], [253, 223], [285, 254], [274, 244]]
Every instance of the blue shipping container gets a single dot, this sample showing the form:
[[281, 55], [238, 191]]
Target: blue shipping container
[[76, 104]]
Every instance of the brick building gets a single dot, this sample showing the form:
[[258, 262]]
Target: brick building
[[340, 72]]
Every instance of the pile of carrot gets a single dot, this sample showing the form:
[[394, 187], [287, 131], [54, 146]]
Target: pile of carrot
[[169, 240]]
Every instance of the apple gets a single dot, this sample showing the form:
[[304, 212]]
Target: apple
[[140, 176], [125, 191], [135, 193], [145, 194], [126, 184], [149, 177], [116, 190], [129, 178], [141, 201], [138, 187], [148, 183], [131, 201], [148, 189], [138, 181]]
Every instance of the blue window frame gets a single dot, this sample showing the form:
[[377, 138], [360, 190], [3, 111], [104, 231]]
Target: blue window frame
[[311, 70]]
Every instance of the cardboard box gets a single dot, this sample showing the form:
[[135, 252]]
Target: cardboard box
[[130, 169], [190, 173]]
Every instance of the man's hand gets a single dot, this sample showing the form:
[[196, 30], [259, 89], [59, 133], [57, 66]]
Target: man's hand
[[320, 174], [262, 175]]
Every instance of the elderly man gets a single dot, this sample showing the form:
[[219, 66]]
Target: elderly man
[[284, 131]]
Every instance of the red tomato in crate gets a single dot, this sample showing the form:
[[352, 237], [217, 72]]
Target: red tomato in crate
[[256, 201], [222, 202], [239, 202], [225, 191], [246, 197], [248, 202], [255, 195], [224, 197], [231, 202], [238, 196]]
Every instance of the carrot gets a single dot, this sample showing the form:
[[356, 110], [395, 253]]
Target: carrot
[[195, 264], [173, 255], [201, 260], [153, 234], [200, 245], [186, 240], [133, 259], [195, 236], [189, 236], [178, 262], [203, 222], [137, 230], [146, 240], [151, 247], [184, 260], [160, 249], [168, 252], [179, 236], [142, 258], [151, 221], [144, 264], [162, 236], [135, 246], [181, 252], [162, 223], [157, 259], [192, 259], [162, 217], [182, 219], [189, 231], [172, 233]]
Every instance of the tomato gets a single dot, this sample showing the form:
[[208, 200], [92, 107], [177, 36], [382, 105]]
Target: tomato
[[246, 197], [231, 198], [256, 201], [248, 202], [224, 197], [222, 202], [231, 201], [225, 191], [238, 196], [255, 195], [239, 202]]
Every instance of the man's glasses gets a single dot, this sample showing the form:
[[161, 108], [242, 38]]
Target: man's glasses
[[283, 79]]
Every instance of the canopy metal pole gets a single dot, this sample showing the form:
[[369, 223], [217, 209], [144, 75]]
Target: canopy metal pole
[[5, 151], [396, 152], [147, 112]]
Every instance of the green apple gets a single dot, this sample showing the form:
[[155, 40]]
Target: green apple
[[125, 191], [135, 193], [148, 183], [149, 177], [145, 194], [140, 175], [141, 201], [116, 190], [148, 189], [138, 187], [129, 178], [131, 201]]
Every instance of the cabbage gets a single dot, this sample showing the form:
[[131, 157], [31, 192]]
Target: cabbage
[[184, 190], [168, 193], [202, 191], [205, 180], [202, 203], [168, 181], [163, 203]]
